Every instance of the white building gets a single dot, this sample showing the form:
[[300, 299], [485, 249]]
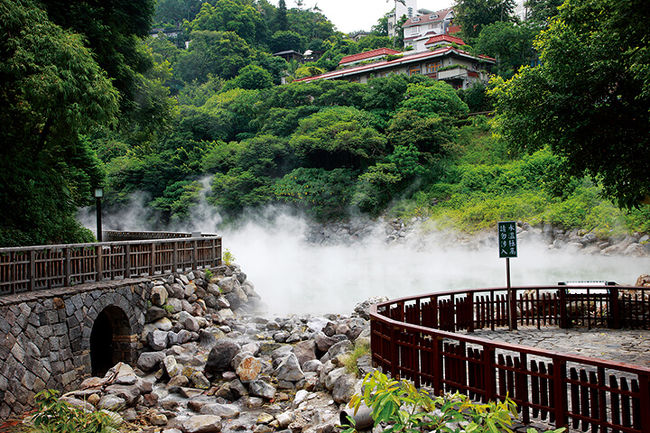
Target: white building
[[418, 29], [409, 8]]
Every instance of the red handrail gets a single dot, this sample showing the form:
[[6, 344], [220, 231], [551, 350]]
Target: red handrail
[[567, 390]]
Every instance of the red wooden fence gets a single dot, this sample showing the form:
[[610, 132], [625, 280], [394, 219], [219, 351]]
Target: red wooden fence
[[50, 266], [415, 338]]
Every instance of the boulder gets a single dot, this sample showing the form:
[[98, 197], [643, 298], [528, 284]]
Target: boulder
[[111, 402], [228, 284], [159, 295], [305, 351], [363, 309], [221, 355], [261, 389], [249, 368], [343, 388], [171, 366], [289, 369], [149, 361], [154, 313], [222, 410], [202, 424], [164, 324], [157, 340], [187, 321]]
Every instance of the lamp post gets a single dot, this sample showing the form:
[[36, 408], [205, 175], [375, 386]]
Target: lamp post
[[99, 193]]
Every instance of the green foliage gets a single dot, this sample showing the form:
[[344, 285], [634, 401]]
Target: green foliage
[[350, 360], [406, 409], [511, 44], [213, 52], [251, 77], [473, 15], [284, 40], [228, 257], [53, 90], [431, 98], [323, 194], [337, 137], [589, 99], [231, 16], [55, 416]]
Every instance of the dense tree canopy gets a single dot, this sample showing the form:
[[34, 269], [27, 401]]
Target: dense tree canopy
[[473, 15], [589, 99], [52, 91]]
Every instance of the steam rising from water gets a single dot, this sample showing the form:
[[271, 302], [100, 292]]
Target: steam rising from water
[[293, 275]]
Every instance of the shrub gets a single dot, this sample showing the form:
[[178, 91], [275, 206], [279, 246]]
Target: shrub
[[228, 258], [56, 416], [407, 409]]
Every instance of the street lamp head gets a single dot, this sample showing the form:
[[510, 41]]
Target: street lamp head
[[99, 192]]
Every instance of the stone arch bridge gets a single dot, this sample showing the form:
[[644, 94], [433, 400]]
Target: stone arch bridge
[[71, 311]]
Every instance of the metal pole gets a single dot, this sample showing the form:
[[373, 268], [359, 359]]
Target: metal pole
[[511, 298], [99, 218]]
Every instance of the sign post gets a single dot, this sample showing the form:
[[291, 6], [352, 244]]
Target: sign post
[[507, 232]]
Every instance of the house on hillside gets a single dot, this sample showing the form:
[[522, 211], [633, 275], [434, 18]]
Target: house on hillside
[[419, 29], [446, 63], [367, 56]]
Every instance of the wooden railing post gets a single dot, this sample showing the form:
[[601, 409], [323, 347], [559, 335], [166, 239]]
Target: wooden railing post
[[127, 261], [489, 374], [195, 253], [470, 310], [152, 262], [614, 309], [213, 259], [175, 257], [394, 354], [66, 266], [437, 365], [644, 400], [560, 392], [32, 270], [564, 320], [99, 263]]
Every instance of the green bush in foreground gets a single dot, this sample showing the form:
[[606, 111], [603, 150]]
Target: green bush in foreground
[[56, 416], [406, 409]]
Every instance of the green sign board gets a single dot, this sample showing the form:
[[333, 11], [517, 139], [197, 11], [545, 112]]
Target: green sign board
[[507, 239]]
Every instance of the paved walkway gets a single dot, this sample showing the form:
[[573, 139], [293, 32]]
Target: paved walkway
[[631, 346]]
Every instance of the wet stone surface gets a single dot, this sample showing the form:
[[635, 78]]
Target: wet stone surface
[[620, 345]]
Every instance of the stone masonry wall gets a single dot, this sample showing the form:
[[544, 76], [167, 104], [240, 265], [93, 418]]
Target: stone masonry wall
[[45, 336]]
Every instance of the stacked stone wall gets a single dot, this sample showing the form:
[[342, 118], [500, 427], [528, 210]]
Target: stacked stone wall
[[45, 337]]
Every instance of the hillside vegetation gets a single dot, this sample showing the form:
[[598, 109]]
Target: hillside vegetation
[[91, 100]]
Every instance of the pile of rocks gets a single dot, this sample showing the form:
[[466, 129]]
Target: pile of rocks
[[210, 365]]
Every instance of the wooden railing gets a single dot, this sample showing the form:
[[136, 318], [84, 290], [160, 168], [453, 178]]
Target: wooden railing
[[417, 338], [122, 235], [49, 266]]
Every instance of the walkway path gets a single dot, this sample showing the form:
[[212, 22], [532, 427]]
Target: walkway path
[[631, 346]]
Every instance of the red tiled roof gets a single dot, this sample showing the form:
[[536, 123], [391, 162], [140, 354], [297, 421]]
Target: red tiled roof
[[367, 55], [444, 38], [383, 64], [428, 18]]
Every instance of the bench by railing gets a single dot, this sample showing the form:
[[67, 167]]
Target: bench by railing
[[50, 266], [416, 338]]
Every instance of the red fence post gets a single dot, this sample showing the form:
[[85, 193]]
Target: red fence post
[[560, 392], [470, 311], [644, 401], [437, 365], [489, 373]]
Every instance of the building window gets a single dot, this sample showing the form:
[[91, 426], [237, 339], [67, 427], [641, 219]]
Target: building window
[[433, 67], [414, 70]]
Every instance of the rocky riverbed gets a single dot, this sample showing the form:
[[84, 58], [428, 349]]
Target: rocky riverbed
[[399, 230], [210, 364]]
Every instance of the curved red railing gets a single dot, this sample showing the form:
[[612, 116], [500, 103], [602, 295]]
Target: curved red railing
[[418, 338]]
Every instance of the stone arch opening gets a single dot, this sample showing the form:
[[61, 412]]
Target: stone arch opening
[[111, 340]]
